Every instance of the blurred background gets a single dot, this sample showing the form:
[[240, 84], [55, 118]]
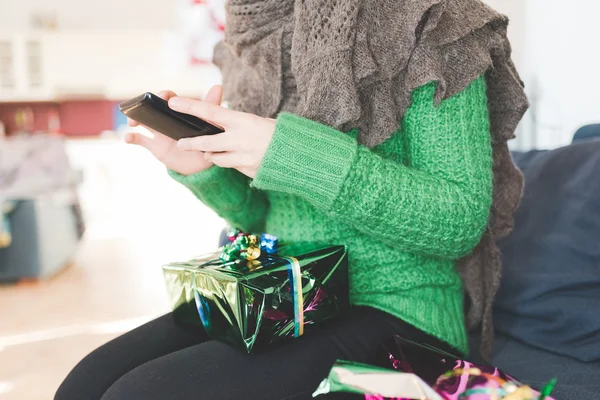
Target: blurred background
[[81, 245]]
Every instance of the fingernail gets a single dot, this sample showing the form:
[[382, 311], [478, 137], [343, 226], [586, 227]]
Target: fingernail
[[175, 102], [183, 144]]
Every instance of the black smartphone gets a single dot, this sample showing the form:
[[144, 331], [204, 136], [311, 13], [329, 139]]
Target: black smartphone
[[150, 110]]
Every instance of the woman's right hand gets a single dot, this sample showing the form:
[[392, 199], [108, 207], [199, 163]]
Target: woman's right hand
[[165, 149]]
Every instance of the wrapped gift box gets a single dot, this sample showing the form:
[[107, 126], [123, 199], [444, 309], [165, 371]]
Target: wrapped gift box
[[410, 370], [254, 303]]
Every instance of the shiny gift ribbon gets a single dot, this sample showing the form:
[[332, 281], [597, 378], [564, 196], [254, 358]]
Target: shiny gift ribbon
[[295, 277]]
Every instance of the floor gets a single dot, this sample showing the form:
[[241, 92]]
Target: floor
[[137, 220]]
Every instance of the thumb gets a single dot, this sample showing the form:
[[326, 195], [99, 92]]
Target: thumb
[[214, 95]]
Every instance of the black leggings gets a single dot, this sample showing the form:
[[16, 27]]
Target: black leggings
[[162, 360]]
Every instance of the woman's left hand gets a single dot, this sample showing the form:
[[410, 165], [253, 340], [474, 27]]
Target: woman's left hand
[[243, 144]]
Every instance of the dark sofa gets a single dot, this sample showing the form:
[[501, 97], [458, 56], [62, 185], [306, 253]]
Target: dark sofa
[[547, 312]]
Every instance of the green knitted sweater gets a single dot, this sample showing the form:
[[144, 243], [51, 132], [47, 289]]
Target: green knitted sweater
[[407, 209]]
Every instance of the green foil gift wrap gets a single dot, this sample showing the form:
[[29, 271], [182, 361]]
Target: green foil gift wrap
[[251, 303]]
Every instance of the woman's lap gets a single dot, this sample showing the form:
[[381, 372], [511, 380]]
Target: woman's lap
[[210, 369], [92, 377]]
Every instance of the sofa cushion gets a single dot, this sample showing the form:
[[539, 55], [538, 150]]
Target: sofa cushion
[[577, 380], [550, 293]]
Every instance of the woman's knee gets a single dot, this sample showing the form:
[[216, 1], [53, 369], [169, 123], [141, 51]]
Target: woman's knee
[[157, 379], [93, 375], [85, 381], [130, 386]]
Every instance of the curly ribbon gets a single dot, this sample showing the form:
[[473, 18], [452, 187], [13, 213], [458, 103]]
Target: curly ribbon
[[246, 246], [547, 390], [506, 390]]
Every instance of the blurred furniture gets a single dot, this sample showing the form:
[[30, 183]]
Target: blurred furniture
[[587, 132], [6, 207], [40, 217], [45, 234], [546, 312]]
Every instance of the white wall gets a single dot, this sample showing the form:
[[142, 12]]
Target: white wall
[[91, 14], [556, 46], [111, 48], [562, 66], [121, 63]]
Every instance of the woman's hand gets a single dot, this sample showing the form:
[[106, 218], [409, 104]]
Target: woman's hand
[[243, 144], [165, 149]]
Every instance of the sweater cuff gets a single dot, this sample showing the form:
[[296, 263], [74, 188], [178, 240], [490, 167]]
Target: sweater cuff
[[307, 159], [224, 187]]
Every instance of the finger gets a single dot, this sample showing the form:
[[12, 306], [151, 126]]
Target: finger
[[137, 139], [210, 143], [224, 160], [206, 111], [214, 95], [154, 145], [166, 94], [132, 123]]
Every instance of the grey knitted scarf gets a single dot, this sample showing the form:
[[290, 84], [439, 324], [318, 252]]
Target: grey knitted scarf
[[354, 64]]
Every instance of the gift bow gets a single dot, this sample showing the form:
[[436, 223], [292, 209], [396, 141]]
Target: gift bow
[[246, 246]]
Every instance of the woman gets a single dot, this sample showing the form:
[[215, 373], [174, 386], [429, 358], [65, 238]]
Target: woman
[[390, 138]]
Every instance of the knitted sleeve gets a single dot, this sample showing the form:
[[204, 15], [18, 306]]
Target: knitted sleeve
[[229, 194], [437, 203]]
